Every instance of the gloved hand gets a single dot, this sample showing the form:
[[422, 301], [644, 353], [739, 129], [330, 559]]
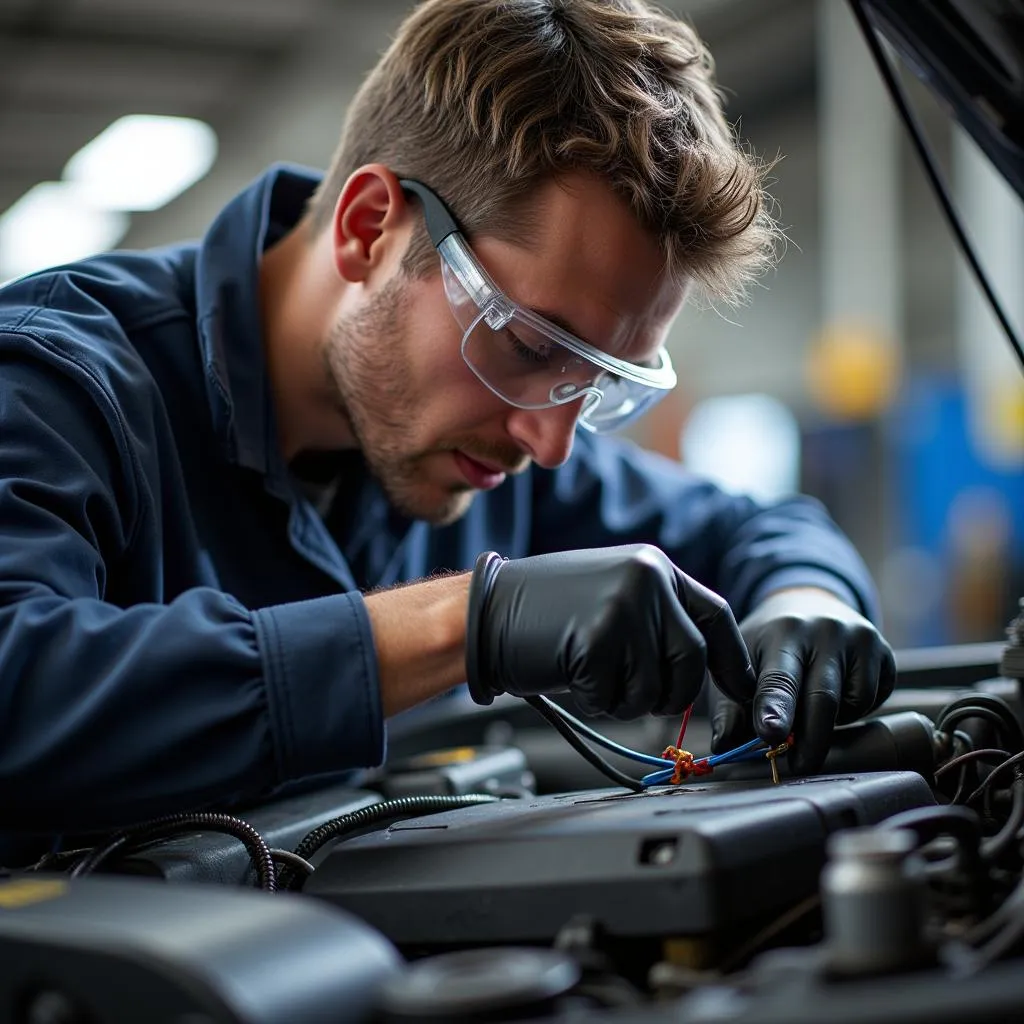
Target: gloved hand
[[819, 664], [622, 628]]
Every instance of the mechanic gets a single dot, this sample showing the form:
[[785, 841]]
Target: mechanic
[[220, 459]]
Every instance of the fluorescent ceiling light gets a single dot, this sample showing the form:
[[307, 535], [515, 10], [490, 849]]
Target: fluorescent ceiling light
[[53, 223], [142, 161]]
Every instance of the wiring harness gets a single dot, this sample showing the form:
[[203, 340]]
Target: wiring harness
[[674, 764], [286, 869]]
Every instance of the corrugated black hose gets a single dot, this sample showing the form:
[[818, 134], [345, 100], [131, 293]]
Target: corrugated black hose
[[375, 814], [176, 824]]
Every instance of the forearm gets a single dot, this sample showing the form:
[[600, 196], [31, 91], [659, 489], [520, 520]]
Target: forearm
[[419, 632]]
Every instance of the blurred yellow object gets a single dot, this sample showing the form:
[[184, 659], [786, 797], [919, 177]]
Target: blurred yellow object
[[1003, 424], [852, 372]]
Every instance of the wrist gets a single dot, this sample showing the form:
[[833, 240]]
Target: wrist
[[419, 634]]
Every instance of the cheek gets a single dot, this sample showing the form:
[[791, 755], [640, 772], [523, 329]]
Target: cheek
[[449, 394]]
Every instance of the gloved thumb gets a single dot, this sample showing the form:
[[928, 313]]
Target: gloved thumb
[[731, 723]]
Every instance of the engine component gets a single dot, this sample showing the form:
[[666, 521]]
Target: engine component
[[107, 951], [214, 857], [478, 985], [688, 861], [1012, 663], [456, 772], [874, 899]]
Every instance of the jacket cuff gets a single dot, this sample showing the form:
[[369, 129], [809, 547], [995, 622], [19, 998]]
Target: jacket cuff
[[323, 687]]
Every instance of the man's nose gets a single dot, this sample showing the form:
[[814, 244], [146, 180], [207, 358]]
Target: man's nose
[[545, 435]]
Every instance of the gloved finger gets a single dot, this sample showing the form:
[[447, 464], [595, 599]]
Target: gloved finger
[[816, 714], [860, 685], [886, 676], [685, 661], [727, 656], [779, 680], [639, 691], [731, 724]]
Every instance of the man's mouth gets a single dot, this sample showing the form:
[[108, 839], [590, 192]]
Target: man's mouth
[[481, 476]]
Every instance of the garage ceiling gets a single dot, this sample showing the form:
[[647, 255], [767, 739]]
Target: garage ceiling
[[271, 76]]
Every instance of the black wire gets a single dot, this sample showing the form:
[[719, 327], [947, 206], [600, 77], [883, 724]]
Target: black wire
[[965, 739], [992, 847], [292, 860], [929, 823], [552, 713], [1011, 906], [1014, 731], [950, 718], [972, 755], [931, 170], [1000, 944], [1008, 763], [964, 760], [176, 824], [744, 952]]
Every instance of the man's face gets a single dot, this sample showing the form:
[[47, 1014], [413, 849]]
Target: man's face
[[431, 432]]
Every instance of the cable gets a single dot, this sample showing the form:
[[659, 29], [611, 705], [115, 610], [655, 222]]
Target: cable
[[961, 783], [572, 728], [374, 814], [1000, 944], [292, 860], [931, 171], [592, 734], [683, 725], [755, 747], [561, 721], [950, 718], [744, 952], [971, 755], [1008, 763], [176, 824], [929, 823], [1014, 731], [992, 847]]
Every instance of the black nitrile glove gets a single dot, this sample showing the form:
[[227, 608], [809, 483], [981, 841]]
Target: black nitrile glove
[[622, 628], [819, 664]]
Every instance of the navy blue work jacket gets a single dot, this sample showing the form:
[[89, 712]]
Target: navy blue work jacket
[[179, 626]]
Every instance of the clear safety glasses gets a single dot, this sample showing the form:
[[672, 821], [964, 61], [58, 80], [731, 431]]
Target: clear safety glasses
[[525, 359]]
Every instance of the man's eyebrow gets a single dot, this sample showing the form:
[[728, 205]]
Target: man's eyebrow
[[559, 321]]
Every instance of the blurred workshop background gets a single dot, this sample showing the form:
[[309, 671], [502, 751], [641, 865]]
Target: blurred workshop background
[[867, 371]]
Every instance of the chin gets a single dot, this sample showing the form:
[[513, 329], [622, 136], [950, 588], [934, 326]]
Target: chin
[[430, 506], [454, 508]]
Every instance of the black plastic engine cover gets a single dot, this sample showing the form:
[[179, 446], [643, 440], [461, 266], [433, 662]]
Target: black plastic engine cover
[[123, 950], [687, 860]]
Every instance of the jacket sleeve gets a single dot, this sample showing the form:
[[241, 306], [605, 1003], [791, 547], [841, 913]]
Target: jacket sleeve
[[110, 714], [613, 492]]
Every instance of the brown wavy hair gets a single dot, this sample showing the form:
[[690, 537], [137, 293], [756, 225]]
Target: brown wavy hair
[[483, 99]]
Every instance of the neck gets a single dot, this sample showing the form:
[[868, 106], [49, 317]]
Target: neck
[[298, 293]]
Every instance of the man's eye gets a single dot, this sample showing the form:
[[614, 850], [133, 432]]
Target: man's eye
[[527, 352]]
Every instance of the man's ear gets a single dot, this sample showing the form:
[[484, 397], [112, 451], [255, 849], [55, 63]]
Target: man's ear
[[368, 221]]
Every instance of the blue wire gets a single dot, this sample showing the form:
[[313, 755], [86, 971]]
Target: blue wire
[[729, 755], [750, 751]]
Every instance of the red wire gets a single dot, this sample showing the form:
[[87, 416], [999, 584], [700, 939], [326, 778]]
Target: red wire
[[682, 727]]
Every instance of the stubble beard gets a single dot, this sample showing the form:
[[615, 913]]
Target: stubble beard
[[364, 361]]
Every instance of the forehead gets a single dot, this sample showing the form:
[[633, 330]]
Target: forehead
[[589, 266]]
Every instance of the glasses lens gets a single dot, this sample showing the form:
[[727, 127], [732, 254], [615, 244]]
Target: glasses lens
[[532, 370], [523, 365]]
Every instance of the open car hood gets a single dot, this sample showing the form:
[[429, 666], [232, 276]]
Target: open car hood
[[971, 53]]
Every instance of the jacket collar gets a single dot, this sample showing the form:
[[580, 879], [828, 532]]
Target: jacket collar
[[228, 311]]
